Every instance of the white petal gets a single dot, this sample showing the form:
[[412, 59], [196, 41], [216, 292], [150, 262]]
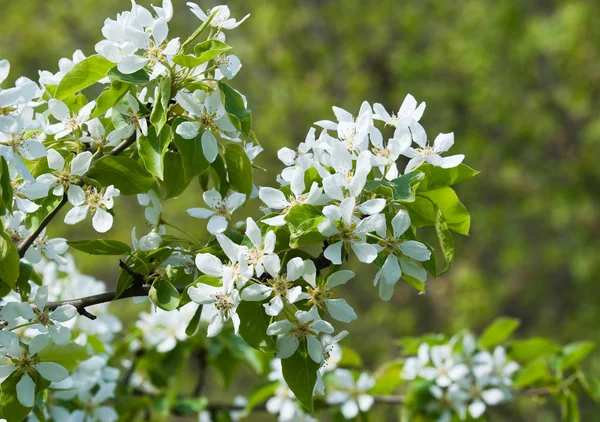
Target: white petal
[[415, 250], [26, 391], [58, 109], [340, 310], [55, 160], [372, 206], [338, 278], [81, 163], [256, 292], [365, 252], [52, 371], [200, 213], [315, 349], [443, 142], [273, 198], [209, 264], [38, 343], [209, 146], [452, 161], [349, 409], [63, 313], [287, 346], [76, 215], [334, 253], [131, 64], [493, 396], [217, 224], [102, 220], [295, 268], [188, 130]]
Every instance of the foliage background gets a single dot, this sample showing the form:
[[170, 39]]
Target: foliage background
[[518, 83]]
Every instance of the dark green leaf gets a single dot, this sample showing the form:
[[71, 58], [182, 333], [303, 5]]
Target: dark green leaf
[[239, 168], [152, 150], [194, 323], [234, 104], [100, 247], [300, 374], [138, 78], [253, 326], [401, 189], [10, 407], [174, 181], [9, 260], [23, 286], [124, 173], [85, 73], [192, 155], [6, 191]]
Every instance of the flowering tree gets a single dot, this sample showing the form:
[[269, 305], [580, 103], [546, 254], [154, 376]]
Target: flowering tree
[[266, 293]]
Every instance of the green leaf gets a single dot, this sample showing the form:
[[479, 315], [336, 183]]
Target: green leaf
[[100, 247], [210, 49], [388, 378], [301, 213], [47, 205], [152, 150], [137, 78], [446, 240], [531, 373], [194, 323], [423, 210], [85, 73], [190, 406], [574, 353], [569, 407], [498, 331], [300, 374], [527, 350], [10, 407], [401, 189], [158, 117], [239, 168], [234, 104], [174, 181], [124, 173], [218, 175], [253, 326], [23, 286], [591, 385], [68, 355], [9, 260], [260, 395], [164, 295], [306, 233], [350, 358], [192, 155], [144, 264], [6, 190], [438, 177], [109, 97]]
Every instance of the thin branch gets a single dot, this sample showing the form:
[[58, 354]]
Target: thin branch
[[28, 241]]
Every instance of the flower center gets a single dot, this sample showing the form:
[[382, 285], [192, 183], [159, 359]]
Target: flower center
[[318, 295], [280, 285]]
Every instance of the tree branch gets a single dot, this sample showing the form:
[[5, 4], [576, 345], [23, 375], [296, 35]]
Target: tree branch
[[28, 241]]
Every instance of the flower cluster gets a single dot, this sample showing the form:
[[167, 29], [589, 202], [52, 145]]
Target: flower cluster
[[462, 378]]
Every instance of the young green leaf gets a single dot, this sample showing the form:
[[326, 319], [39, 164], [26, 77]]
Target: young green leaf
[[109, 97], [164, 295], [498, 331], [84, 74], [9, 260], [158, 117], [300, 374]]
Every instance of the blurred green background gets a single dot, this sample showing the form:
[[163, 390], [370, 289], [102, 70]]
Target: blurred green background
[[518, 81]]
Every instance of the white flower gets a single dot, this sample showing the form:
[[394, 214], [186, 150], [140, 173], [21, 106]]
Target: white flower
[[208, 114], [52, 248], [451, 398], [64, 66], [347, 181], [92, 201], [162, 329], [221, 19], [26, 362], [276, 200], [321, 296], [431, 153], [228, 66], [396, 263], [222, 300], [24, 193], [446, 370], [407, 114], [153, 206], [236, 272], [414, 364], [351, 396], [308, 325], [262, 248], [127, 120], [496, 367], [62, 177], [484, 397], [279, 286], [16, 143], [348, 232], [283, 403], [49, 322], [385, 156], [68, 123], [220, 209]]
